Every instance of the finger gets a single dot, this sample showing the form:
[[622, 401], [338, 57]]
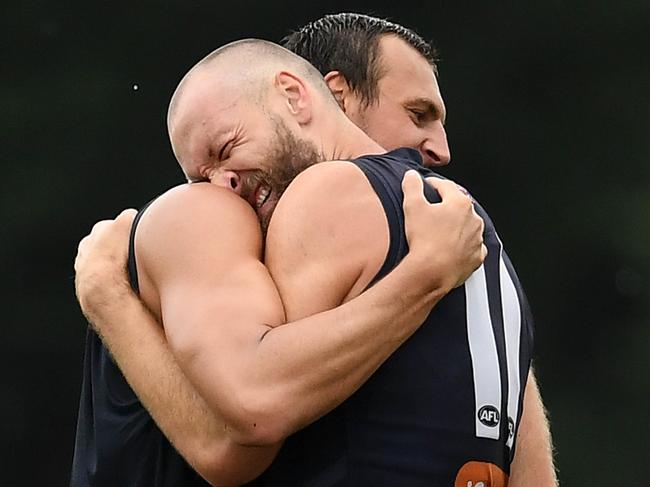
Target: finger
[[97, 227], [463, 190], [79, 252], [445, 188], [127, 216], [478, 218], [412, 184], [82, 243]]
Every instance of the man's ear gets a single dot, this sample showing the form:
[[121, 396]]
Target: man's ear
[[297, 97], [340, 88]]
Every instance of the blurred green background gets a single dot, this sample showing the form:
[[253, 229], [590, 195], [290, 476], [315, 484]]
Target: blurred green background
[[548, 121]]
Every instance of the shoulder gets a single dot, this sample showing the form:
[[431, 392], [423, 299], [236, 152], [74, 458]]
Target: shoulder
[[323, 196], [324, 177], [196, 220], [199, 203], [199, 208], [331, 215]]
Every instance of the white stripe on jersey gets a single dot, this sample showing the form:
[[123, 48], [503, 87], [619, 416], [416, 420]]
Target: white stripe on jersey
[[483, 351], [512, 331]]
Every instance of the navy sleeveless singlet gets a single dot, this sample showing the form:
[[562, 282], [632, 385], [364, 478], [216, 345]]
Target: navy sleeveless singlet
[[444, 409]]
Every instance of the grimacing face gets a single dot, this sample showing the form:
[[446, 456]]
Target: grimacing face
[[222, 137], [409, 111], [287, 157]]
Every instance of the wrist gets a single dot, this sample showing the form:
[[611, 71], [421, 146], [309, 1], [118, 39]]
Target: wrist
[[100, 296], [424, 278]]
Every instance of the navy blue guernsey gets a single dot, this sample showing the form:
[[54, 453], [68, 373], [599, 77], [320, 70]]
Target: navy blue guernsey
[[118, 444], [444, 409]]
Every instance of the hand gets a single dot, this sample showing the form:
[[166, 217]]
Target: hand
[[446, 238], [100, 265]]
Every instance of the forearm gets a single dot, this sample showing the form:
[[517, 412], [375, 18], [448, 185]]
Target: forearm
[[319, 248], [533, 462], [302, 370], [141, 351]]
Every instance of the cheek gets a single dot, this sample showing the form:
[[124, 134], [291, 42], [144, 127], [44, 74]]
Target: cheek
[[395, 131]]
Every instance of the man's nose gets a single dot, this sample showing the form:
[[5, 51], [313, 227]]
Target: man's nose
[[227, 179], [434, 148]]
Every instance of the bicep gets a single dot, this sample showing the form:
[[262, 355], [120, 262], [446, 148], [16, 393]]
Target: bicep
[[200, 248], [221, 309]]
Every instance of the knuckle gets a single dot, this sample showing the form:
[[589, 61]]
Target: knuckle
[[127, 214], [100, 226], [450, 185]]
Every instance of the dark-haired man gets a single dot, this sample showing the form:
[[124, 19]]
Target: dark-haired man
[[384, 77]]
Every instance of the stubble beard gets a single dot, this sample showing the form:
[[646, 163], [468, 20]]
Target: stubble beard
[[289, 158]]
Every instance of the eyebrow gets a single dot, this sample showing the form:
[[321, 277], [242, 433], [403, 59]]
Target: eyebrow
[[429, 107]]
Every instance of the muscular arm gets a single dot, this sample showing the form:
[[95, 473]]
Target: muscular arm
[[338, 259], [201, 437], [533, 462], [334, 217], [219, 318], [246, 373], [143, 353]]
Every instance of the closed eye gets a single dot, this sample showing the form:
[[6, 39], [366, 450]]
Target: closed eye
[[424, 110], [225, 149], [419, 117]]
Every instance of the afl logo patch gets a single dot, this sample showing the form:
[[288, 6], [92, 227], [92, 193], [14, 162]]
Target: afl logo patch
[[489, 416]]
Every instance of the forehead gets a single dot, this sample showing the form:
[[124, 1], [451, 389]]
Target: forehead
[[206, 108], [202, 98], [404, 71], [206, 104]]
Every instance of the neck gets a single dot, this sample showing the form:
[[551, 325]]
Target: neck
[[343, 140]]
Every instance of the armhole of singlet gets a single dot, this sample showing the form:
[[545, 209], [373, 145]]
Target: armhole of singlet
[[398, 246], [132, 267]]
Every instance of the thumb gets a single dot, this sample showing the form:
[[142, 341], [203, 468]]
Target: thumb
[[412, 186]]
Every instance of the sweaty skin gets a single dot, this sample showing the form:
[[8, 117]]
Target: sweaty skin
[[243, 372]]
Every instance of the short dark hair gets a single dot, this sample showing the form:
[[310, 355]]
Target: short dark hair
[[349, 43]]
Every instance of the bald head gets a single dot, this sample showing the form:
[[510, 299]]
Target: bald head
[[231, 106], [249, 65]]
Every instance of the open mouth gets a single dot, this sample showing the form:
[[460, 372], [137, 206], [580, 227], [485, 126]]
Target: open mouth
[[261, 195]]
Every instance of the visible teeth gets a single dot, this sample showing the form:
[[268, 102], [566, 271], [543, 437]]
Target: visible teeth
[[262, 195]]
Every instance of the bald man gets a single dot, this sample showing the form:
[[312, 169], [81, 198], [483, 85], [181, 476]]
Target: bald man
[[252, 368], [220, 143]]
